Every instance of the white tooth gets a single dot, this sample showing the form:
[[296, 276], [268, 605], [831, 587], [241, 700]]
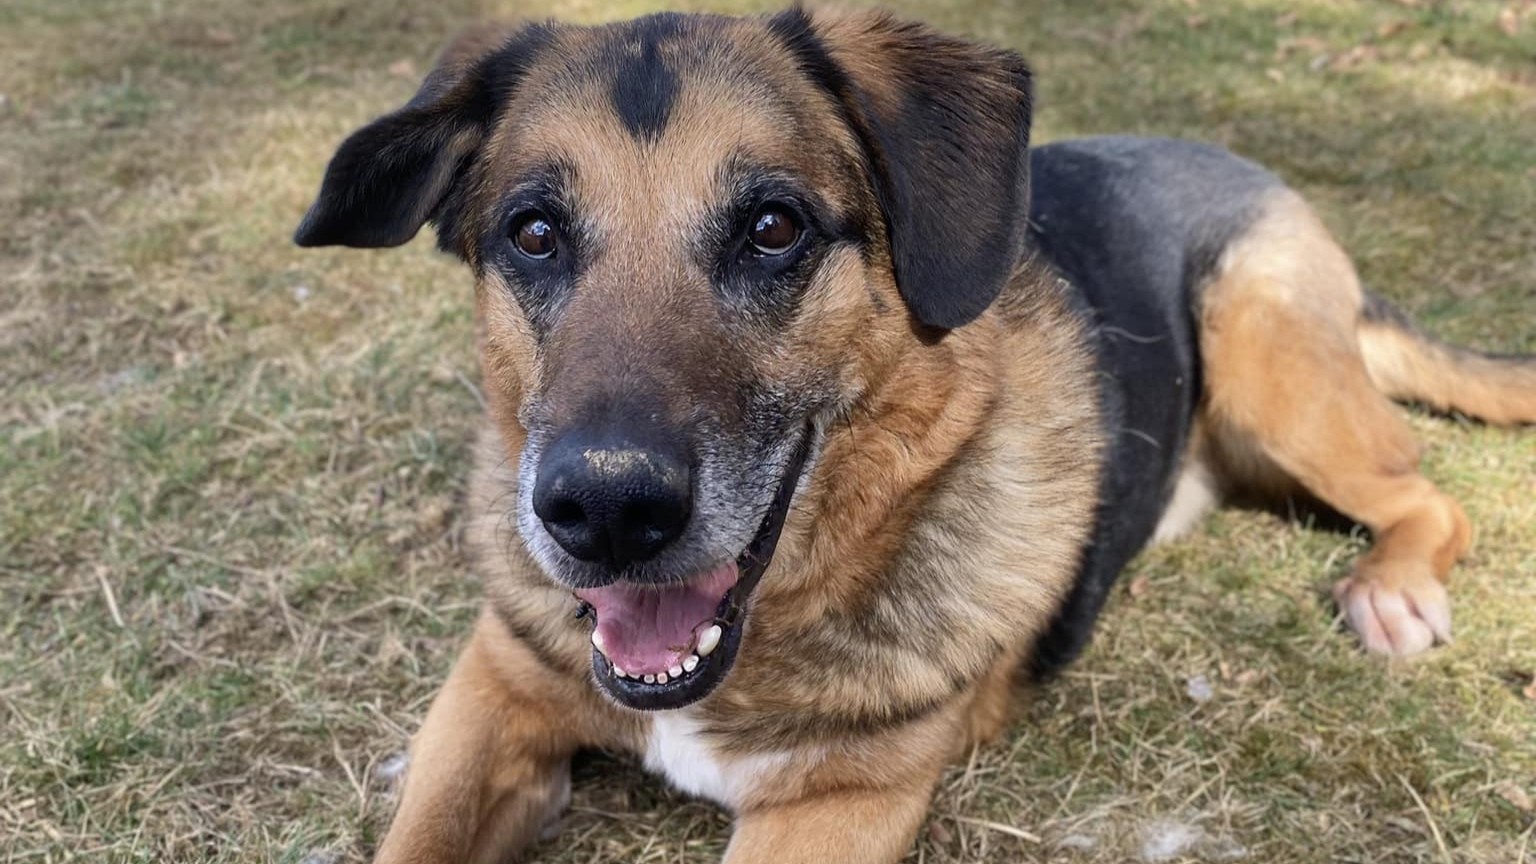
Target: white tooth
[[675, 671], [620, 672], [709, 640], [662, 678], [690, 663], [650, 679], [597, 642]]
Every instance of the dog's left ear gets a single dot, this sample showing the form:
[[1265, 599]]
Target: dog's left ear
[[945, 127]]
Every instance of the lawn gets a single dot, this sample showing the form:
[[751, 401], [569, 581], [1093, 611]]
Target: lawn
[[230, 471]]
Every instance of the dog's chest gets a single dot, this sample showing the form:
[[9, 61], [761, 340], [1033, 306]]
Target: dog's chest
[[678, 750]]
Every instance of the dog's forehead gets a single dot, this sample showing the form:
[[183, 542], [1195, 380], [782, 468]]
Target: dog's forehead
[[663, 109]]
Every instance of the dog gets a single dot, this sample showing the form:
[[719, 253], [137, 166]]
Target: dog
[[822, 411]]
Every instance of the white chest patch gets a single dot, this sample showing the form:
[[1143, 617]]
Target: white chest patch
[[679, 752], [1194, 496]]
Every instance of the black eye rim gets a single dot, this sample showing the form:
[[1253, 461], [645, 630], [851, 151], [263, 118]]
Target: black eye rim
[[523, 220], [786, 209]]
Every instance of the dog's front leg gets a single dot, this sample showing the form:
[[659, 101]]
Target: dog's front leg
[[862, 800], [490, 767], [854, 826]]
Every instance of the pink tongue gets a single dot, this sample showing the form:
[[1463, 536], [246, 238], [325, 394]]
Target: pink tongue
[[647, 630]]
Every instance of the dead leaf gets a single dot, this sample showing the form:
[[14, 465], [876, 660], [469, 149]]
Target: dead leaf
[[1353, 57], [1391, 28], [219, 36], [403, 69], [1285, 19], [1194, 22], [1247, 677], [1405, 825], [939, 833], [1509, 21], [1138, 587], [1286, 47], [1274, 75], [1510, 791], [434, 515]]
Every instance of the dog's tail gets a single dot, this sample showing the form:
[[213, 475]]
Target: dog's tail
[[1409, 365]]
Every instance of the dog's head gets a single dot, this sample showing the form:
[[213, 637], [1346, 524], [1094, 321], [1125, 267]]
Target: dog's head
[[697, 241]]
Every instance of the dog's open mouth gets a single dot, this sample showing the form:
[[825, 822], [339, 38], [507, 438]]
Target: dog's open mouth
[[665, 646]]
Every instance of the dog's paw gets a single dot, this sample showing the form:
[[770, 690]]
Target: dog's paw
[[1396, 611]]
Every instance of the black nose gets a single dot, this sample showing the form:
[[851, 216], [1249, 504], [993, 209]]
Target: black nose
[[612, 497]]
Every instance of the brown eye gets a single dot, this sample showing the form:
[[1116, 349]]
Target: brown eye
[[774, 231], [535, 237]]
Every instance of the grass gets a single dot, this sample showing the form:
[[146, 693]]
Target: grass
[[230, 573]]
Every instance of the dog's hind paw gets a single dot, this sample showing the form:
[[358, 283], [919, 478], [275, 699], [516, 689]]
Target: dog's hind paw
[[1396, 610]]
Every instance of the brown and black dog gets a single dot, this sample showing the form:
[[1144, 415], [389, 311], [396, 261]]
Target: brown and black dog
[[822, 406]]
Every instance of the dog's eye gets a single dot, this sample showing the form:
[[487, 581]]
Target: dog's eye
[[534, 236], [774, 231]]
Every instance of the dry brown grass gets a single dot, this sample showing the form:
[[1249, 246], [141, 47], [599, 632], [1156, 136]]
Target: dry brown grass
[[230, 577]]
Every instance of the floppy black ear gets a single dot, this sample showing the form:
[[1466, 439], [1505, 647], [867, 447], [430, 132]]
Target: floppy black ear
[[393, 175], [945, 127]]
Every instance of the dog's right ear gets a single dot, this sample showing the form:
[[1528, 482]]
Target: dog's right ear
[[393, 175]]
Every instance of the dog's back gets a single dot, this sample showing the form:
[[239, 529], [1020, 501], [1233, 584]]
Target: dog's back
[[1135, 226]]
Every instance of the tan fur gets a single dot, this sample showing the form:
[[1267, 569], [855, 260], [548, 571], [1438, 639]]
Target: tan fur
[[1291, 406], [491, 753], [491, 763], [863, 719], [1405, 365]]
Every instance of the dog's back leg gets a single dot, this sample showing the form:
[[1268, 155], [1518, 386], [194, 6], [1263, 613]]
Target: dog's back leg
[[1290, 402]]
